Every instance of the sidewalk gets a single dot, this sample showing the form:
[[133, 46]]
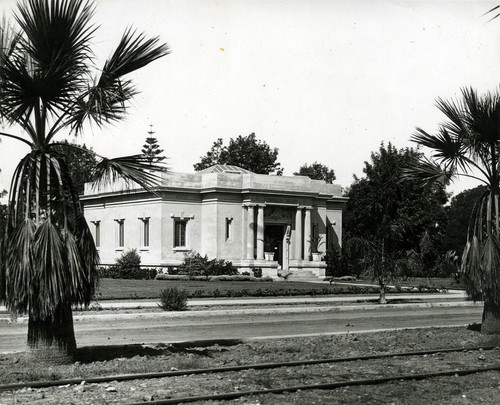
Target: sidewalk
[[116, 310]]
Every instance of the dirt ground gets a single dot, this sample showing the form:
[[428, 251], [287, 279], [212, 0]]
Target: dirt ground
[[481, 388]]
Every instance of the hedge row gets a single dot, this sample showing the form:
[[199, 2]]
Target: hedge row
[[177, 277]]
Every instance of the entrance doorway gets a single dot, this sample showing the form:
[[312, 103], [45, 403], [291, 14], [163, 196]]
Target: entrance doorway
[[275, 240]]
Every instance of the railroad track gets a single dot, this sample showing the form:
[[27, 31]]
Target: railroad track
[[326, 374]]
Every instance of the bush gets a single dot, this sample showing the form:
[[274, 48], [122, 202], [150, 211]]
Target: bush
[[140, 273], [128, 266], [173, 299], [257, 272], [335, 264], [197, 265], [129, 260]]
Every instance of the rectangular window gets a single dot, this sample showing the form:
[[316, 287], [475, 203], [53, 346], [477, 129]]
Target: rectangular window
[[180, 233], [145, 232], [97, 233], [120, 233], [229, 228]]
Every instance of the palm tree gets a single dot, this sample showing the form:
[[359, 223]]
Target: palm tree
[[468, 144], [49, 87]]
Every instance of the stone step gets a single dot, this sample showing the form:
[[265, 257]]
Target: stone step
[[303, 275]]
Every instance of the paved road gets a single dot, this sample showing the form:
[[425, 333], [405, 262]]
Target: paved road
[[102, 330]]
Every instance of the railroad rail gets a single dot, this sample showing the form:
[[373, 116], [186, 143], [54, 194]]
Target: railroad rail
[[327, 386], [269, 366]]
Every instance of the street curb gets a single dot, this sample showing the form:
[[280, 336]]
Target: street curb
[[255, 311]]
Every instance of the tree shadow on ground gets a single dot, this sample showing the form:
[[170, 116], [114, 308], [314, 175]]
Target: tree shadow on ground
[[89, 354]]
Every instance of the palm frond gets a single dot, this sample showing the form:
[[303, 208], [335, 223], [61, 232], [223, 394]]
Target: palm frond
[[133, 52], [9, 39], [88, 279], [471, 269], [101, 105], [82, 268], [56, 40], [447, 147], [482, 116], [454, 112], [52, 277], [427, 172], [104, 102], [490, 11], [19, 272], [132, 169]]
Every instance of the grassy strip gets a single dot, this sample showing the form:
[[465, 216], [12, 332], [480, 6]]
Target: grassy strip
[[112, 289]]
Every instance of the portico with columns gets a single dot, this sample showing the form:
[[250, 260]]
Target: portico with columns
[[225, 212]]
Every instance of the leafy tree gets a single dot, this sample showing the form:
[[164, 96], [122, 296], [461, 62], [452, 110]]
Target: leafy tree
[[151, 150], [382, 201], [317, 171], [468, 144], [81, 163], [50, 86], [458, 215], [386, 218], [246, 152]]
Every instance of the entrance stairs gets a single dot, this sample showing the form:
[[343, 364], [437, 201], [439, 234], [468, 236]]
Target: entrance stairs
[[304, 275]]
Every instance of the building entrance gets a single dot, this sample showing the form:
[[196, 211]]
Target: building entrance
[[276, 239]]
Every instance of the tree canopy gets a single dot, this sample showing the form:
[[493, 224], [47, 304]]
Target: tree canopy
[[317, 171], [247, 152], [383, 206]]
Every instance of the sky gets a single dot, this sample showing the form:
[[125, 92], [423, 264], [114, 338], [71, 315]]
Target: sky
[[324, 81]]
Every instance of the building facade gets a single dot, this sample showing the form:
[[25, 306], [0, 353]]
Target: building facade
[[224, 212]]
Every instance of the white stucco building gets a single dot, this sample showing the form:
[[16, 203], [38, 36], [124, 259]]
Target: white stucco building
[[224, 212]]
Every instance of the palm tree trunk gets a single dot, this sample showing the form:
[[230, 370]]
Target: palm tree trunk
[[491, 322], [491, 312], [52, 340]]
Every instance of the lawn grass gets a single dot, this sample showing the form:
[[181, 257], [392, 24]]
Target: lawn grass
[[115, 289]]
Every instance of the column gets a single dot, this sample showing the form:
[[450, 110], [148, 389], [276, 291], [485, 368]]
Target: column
[[260, 233], [298, 234], [250, 232], [243, 231], [307, 233]]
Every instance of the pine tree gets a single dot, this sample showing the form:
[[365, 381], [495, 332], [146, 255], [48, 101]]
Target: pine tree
[[151, 150]]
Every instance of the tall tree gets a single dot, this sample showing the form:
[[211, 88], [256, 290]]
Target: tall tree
[[246, 152], [390, 216], [317, 171], [151, 150], [468, 144], [49, 85]]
